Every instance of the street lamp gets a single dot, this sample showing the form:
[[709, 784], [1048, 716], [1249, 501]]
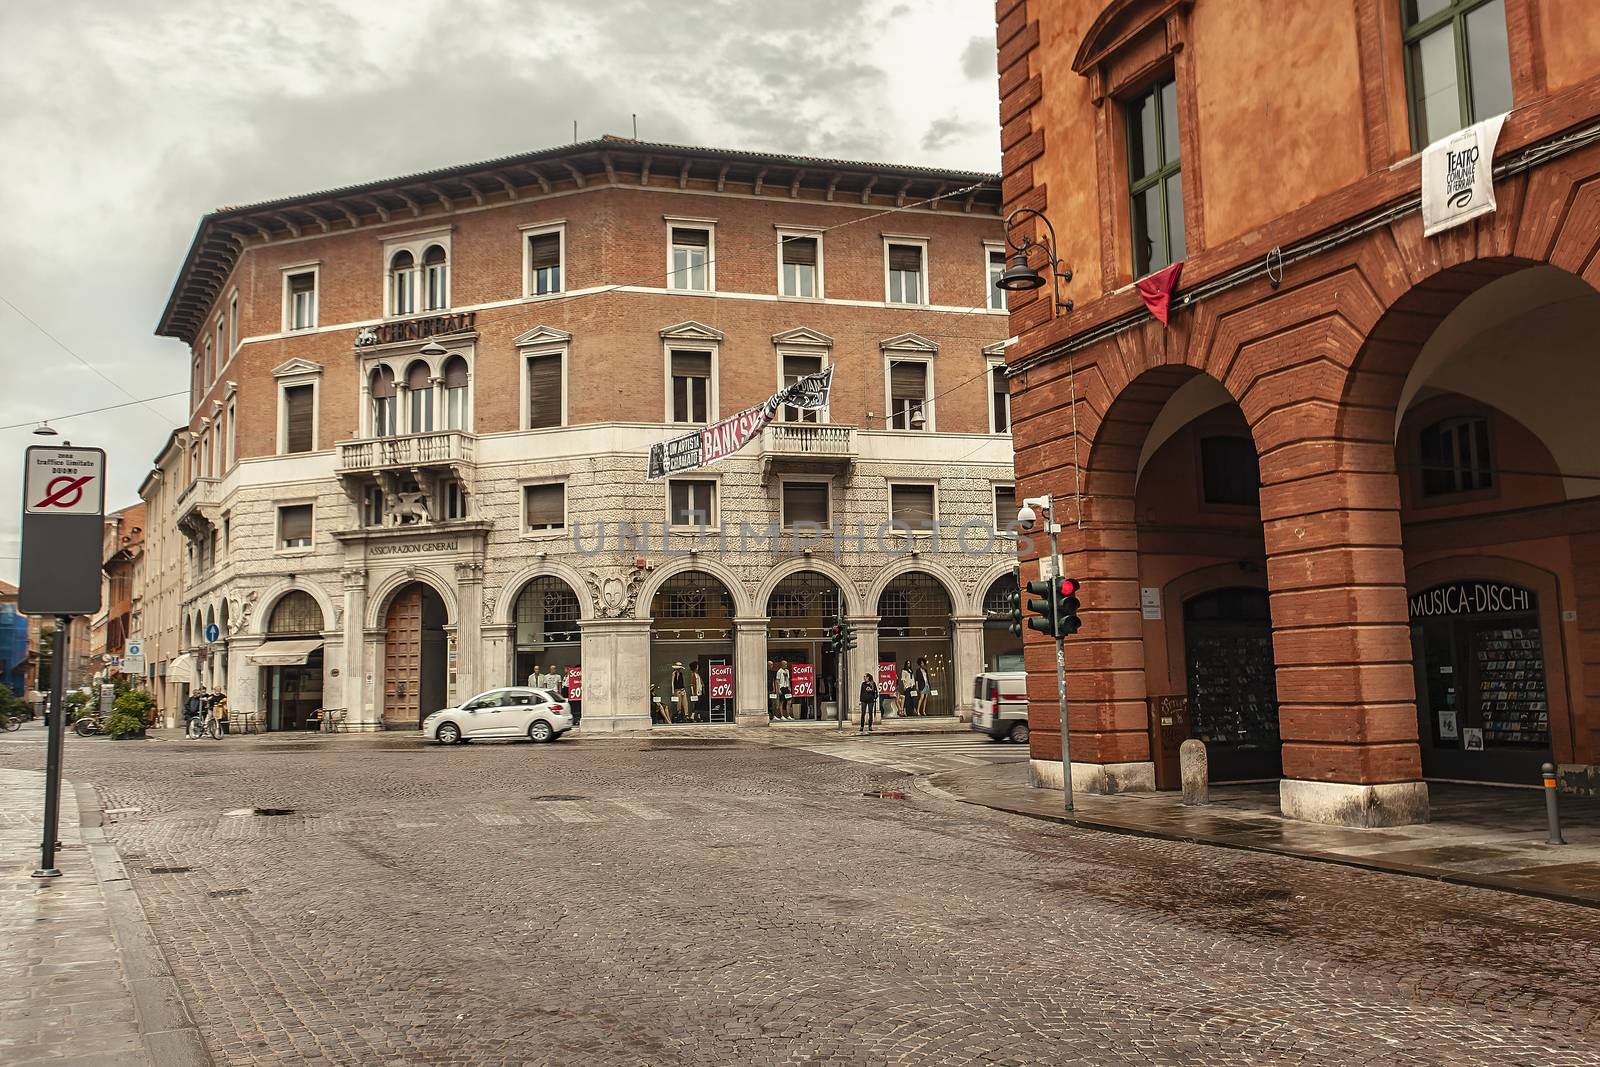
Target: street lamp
[[433, 348], [1025, 521], [918, 419], [1019, 276], [44, 429]]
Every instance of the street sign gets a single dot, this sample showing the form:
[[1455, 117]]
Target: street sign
[[64, 497], [133, 661], [574, 683], [213, 631], [803, 679], [722, 681]]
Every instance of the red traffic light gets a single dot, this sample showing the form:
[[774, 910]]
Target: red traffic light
[[1070, 586]]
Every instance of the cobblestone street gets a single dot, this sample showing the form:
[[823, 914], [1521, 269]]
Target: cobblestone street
[[715, 902]]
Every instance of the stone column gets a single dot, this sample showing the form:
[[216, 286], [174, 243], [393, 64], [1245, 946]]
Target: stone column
[[968, 662], [863, 659], [494, 663], [469, 644], [372, 678], [333, 670], [750, 671], [355, 613], [616, 674], [244, 688]]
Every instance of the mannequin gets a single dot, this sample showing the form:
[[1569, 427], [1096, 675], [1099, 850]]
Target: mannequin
[[680, 693]]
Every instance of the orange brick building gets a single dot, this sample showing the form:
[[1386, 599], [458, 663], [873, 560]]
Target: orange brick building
[[1341, 518]]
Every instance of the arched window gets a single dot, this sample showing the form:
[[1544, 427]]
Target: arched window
[[297, 613], [455, 393], [383, 402], [436, 278], [419, 384], [1455, 456], [402, 283]]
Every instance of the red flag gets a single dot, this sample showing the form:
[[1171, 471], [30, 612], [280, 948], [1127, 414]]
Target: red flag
[[1156, 289]]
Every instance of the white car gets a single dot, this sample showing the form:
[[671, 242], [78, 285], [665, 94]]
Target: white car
[[504, 713]]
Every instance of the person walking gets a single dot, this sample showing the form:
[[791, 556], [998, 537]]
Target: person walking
[[923, 685], [869, 702], [219, 709], [908, 690], [784, 696]]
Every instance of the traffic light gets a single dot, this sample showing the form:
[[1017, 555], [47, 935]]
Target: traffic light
[[849, 635], [1066, 607], [1057, 613], [1014, 602], [835, 638], [1044, 610]]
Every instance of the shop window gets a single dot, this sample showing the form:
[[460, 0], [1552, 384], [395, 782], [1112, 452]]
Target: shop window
[[799, 258], [544, 391], [455, 393], [905, 274], [546, 613], [795, 368], [692, 503], [384, 402], [691, 386], [294, 526], [299, 418], [301, 288], [912, 506], [1155, 179], [689, 259], [1005, 508], [908, 394], [544, 263], [1230, 473], [805, 502], [1455, 456], [545, 506], [1458, 65]]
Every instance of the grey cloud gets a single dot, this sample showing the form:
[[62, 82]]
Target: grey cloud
[[978, 58], [942, 132]]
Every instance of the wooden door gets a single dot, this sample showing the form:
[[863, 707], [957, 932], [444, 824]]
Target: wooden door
[[402, 659]]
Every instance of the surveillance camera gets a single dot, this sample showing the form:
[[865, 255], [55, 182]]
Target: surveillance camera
[[1025, 517]]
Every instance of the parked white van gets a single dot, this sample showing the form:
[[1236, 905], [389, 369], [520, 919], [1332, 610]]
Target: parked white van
[[1000, 705]]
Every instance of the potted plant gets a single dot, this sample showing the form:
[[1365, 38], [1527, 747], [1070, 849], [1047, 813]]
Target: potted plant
[[129, 713]]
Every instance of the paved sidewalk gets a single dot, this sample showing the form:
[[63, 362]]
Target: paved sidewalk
[[82, 983], [1481, 836]]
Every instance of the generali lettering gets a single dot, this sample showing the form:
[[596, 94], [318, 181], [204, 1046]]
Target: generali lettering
[[406, 550]]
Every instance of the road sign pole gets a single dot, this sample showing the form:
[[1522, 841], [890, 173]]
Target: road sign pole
[[1061, 660], [55, 721]]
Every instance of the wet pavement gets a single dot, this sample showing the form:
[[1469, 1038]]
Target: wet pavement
[[707, 901], [1479, 835]]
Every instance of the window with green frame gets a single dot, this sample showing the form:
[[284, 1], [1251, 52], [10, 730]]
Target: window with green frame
[[1155, 182], [1458, 64]]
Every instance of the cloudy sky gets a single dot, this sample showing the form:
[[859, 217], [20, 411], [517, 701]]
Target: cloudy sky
[[123, 122]]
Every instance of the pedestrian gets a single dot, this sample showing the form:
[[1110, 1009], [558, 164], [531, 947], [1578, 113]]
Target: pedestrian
[[191, 707], [908, 690], [923, 685], [219, 708], [869, 702]]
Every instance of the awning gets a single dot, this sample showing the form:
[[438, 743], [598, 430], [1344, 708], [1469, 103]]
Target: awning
[[181, 670], [284, 653]]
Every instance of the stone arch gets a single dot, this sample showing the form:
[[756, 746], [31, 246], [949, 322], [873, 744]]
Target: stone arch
[[742, 606], [506, 602], [960, 603], [277, 591], [996, 570], [378, 602], [847, 588]]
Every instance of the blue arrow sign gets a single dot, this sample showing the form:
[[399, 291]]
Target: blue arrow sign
[[212, 632]]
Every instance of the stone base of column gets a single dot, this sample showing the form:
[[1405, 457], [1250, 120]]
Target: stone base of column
[[1343, 804], [761, 719], [612, 724], [1105, 778]]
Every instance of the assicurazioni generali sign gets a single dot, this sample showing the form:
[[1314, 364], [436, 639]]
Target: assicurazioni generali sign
[[388, 333]]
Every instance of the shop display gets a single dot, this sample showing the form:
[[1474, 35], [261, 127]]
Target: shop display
[[1509, 662], [1233, 695]]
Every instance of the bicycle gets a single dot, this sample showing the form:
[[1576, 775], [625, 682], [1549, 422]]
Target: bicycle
[[203, 725], [88, 725], [9, 723]]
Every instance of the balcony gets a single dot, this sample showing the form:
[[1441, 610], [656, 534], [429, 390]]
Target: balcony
[[808, 448], [445, 448], [199, 506]]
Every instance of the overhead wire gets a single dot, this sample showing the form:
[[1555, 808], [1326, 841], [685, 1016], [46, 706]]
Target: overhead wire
[[93, 411]]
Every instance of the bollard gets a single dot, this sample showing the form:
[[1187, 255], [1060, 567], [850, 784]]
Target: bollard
[[1192, 768], [1549, 772]]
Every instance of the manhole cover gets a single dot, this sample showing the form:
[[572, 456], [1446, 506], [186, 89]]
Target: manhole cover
[[559, 796], [215, 893], [170, 870]]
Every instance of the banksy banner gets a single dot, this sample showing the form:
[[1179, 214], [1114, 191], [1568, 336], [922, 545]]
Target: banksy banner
[[699, 447], [1458, 176]]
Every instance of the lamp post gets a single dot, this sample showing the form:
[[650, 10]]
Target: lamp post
[[1019, 276]]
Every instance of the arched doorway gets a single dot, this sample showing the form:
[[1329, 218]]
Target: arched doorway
[[415, 653], [915, 634], [291, 662], [800, 609], [691, 651], [1232, 683], [1002, 649], [548, 648]]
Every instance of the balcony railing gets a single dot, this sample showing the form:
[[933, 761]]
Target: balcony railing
[[809, 439], [411, 450]]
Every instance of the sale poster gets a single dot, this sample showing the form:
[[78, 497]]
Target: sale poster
[[722, 681], [888, 679], [803, 680], [574, 683]]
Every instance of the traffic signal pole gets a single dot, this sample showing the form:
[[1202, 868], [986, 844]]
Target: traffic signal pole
[[1061, 660]]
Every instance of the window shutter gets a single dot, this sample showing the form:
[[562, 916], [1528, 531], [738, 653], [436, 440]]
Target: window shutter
[[912, 505], [544, 391], [382, 383], [417, 376], [544, 251], [301, 283], [546, 506], [297, 406], [691, 364], [905, 257], [908, 380], [802, 250], [797, 367], [696, 238], [455, 373], [295, 523], [1005, 506], [805, 502]]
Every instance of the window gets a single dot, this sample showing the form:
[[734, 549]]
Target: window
[[1229, 471], [798, 259], [905, 274], [233, 433], [1458, 64], [691, 386], [302, 300], [795, 368], [999, 399], [692, 503], [689, 259], [299, 418], [435, 279], [1455, 456], [908, 394], [419, 388], [372, 506], [1005, 508], [455, 500], [455, 393], [544, 263], [194, 383], [210, 367], [544, 507], [997, 267], [297, 613], [1155, 181], [384, 403], [294, 526], [805, 502], [223, 351], [911, 506], [233, 322], [402, 283], [544, 391]]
